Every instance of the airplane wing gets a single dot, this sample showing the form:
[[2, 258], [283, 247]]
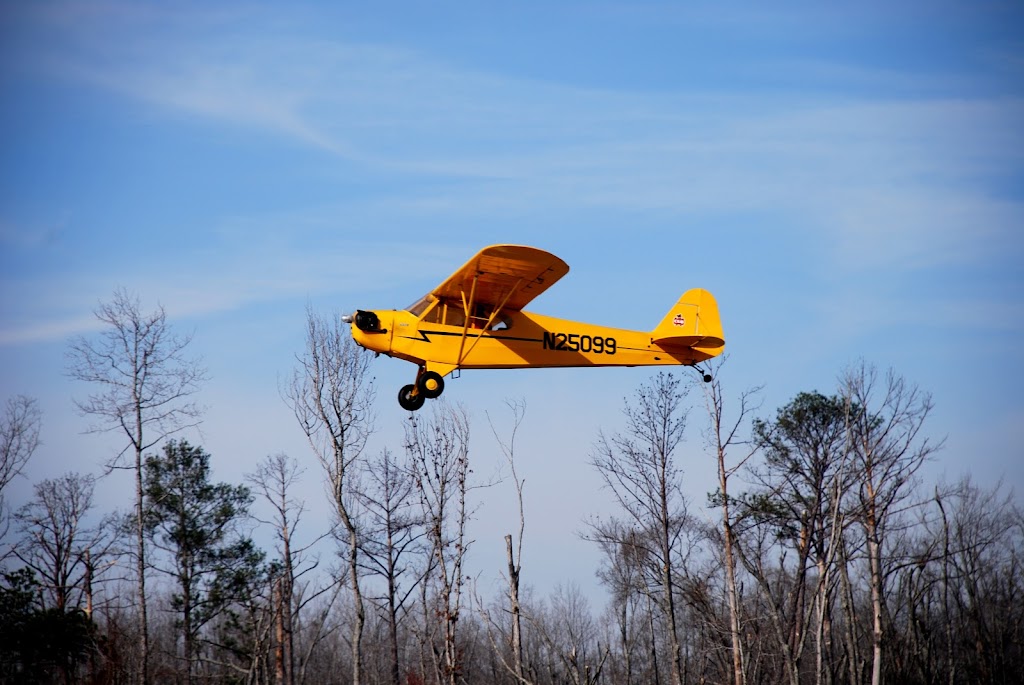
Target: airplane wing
[[507, 277]]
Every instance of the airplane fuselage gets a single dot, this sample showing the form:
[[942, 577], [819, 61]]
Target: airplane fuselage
[[521, 339]]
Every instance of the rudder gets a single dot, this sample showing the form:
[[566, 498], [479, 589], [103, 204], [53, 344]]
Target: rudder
[[692, 322]]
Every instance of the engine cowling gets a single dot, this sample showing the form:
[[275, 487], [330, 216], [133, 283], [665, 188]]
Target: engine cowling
[[368, 322]]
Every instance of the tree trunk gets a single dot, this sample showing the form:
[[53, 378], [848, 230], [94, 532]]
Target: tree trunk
[[287, 627], [396, 675], [279, 669], [730, 574], [946, 609], [513, 597], [357, 599], [140, 568], [668, 596], [823, 630], [874, 577], [627, 652], [186, 621], [850, 622], [875, 563], [654, 643]]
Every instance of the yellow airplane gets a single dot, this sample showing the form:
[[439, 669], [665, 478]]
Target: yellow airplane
[[475, 320]]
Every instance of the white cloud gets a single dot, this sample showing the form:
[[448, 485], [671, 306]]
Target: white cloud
[[49, 329]]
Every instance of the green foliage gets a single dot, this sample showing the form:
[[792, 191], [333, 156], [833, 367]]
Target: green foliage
[[37, 644], [196, 522], [18, 605], [810, 423], [804, 449]]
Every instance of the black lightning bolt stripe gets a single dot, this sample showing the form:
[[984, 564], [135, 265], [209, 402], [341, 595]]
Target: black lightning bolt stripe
[[424, 336]]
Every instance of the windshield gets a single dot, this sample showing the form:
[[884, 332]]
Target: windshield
[[419, 306]]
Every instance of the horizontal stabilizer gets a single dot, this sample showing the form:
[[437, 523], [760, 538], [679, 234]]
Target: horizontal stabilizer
[[692, 322]]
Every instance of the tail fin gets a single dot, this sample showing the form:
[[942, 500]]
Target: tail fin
[[692, 322]]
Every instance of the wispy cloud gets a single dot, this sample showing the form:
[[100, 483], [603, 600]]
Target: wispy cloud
[[881, 181], [213, 281]]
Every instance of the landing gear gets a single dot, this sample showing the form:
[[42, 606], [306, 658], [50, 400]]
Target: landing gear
[[429, 385], [706, 377], [410, 399]]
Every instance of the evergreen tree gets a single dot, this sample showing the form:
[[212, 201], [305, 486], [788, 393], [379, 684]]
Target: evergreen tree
[[38, 644], [196, 523]]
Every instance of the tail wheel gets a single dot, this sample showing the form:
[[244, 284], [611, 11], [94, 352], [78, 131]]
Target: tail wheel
[[430, 384], [410, 399]]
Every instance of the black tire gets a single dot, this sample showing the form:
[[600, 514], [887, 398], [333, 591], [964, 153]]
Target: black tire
[[431, 384], [410, 399]]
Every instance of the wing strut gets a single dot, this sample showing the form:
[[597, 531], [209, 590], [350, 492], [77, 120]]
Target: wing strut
[[490, 319], [467, 309]]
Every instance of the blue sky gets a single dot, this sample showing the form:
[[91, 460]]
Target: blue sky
[[847, 179]]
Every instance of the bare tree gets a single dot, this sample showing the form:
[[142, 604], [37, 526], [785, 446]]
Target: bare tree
[[331, 394], [393, 533], [723, 436], [514, 546], [145, 386], [509, 653], [19, 439], [439, 449], [884, 420], [60, 545], [979, 547], [567, 629], [639, 468], [274, 479], [630, 571]]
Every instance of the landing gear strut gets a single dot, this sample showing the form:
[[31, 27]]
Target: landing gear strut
[[706, 377]]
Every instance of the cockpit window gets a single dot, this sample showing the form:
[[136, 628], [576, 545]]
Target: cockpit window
[[420, 305], [431, 310]]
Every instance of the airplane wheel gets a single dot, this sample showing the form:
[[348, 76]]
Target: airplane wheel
[[707, 378], [409, 399], [431, 384]]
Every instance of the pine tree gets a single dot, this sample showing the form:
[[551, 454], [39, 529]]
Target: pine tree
[[196, 523]]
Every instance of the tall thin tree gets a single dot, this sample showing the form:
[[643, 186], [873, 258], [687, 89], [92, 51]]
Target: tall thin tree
[[331, 394], [274, 479], [884, 418], [723, 436], [145, 386], [514, 546], [439, 449], [393, 536], [639, 466]]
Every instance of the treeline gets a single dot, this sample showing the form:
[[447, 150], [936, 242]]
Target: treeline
[[820, 555]]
